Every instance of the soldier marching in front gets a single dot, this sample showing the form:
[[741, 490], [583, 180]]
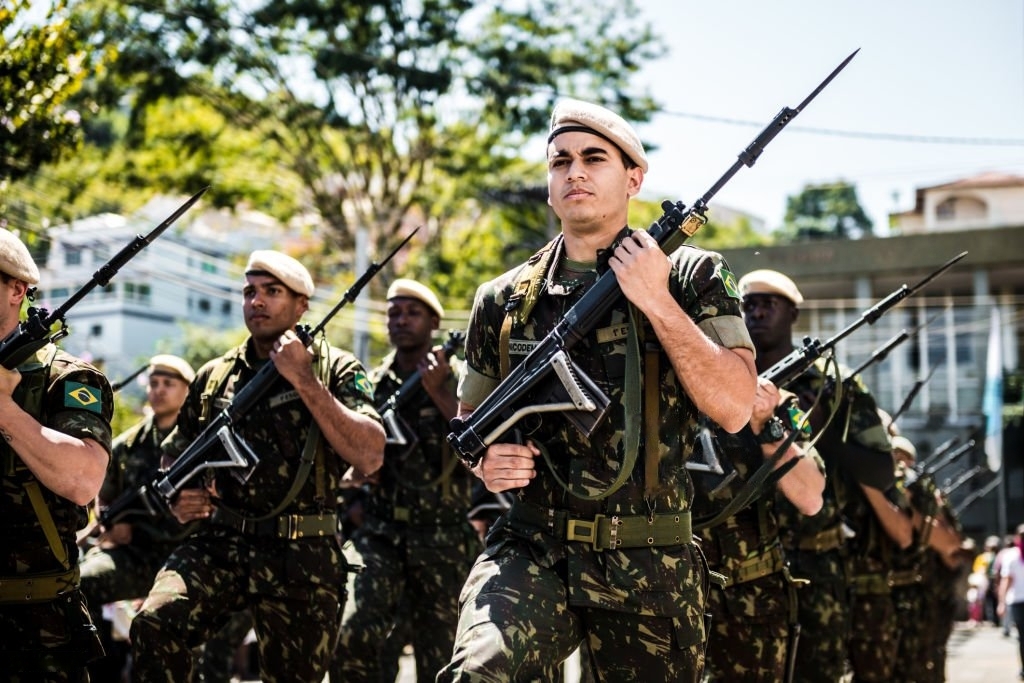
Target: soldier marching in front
[[270, 542], [55, 413]]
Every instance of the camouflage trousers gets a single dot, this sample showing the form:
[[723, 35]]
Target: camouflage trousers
[[412, 577], [292, 589], [47, 641], [515, 624], [912, 663], [823, 612], [873, 638], [750, 631]]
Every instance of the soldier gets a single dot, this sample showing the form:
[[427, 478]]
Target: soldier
[[855, 449], [598, 544], [415, 542], [754, 629], [55, 415], [922, 586], [270, 542], [125, 558]]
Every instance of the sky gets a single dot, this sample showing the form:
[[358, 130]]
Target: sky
[[932, 79]]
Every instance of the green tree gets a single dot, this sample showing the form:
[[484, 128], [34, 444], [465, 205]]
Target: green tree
[[830, 211], [370, 103], [42, 65]]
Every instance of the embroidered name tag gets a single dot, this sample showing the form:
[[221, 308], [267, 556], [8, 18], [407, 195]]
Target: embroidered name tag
[[521, 347], [283, 398], [612, 334]]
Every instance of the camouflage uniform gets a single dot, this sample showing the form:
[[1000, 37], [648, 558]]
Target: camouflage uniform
[[415, 543], [288, 570], [754, 615], [874, 627], [126, 572], [816, 546], [540, 588], [925, 597], [49, 635]]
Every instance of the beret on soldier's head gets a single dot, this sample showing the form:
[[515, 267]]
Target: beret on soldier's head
[[902, 443], [290, 272], [411, 289], [172, 366], [770, 282], [576, 115], [15, 259]]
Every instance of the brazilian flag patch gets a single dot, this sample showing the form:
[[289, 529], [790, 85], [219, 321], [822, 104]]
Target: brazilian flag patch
[[82, 396], [364, 384], [796, 418], [732, 288]]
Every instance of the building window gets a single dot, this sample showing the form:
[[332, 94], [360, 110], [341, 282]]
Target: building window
[[96, 331], [225, 308], [961, 209], [139, 293], [204, 305], [72, 256]]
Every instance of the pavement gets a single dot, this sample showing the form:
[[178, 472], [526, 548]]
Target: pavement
[[981, 652], [976, 653]]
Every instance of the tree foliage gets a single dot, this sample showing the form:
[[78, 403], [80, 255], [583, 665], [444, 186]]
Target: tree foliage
[[371, 104], [42, 65], [829, 211]]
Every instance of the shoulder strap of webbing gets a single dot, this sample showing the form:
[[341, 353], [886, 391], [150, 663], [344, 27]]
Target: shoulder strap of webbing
[[525, 293]]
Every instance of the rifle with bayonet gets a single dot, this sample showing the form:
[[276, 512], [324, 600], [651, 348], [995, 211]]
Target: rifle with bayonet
[[799, 360], [398, 432], [36, 331], [548, 380], [118, 386], [218, 436], [980, 493], [953, 484], [788, 369]]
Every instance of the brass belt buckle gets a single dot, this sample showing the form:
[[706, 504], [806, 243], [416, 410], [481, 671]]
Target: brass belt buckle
[[292, 528]]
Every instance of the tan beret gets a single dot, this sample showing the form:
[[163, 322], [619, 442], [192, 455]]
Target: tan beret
[[15, 259], [576, 115], [290, 272], [411, 289], [770, 282], [172, 366], [902, 443]]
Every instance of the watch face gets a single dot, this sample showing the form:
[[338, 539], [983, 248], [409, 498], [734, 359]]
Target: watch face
[[773, 431]]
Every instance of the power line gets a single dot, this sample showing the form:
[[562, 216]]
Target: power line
[[863, 135]]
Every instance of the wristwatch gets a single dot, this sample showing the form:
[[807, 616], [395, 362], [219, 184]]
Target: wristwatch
[[772, 431]]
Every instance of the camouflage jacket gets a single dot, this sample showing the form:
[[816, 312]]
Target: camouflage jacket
[[856, 420], [76, 399], [275, 429], [646, 580], [422, 483], [134, 463]]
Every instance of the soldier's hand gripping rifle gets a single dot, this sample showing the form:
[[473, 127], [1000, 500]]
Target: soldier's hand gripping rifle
[[548, 380], [398, 432], [218, 436], [36, 331]]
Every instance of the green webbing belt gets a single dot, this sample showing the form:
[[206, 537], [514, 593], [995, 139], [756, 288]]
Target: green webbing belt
[[607, 532]]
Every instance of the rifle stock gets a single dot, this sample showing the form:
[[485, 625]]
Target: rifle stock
[[498, 412], [155, 496], [36, 331]]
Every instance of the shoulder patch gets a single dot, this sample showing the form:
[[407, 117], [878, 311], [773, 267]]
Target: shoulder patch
[[363, 384], [82, 396], [729, 280]]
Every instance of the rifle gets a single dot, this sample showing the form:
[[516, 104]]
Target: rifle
[[911, 395], [36, 331], [583, 403], [980, 493], [882, 352], [953, 484], [118, 386], [156, 495], [398, 432], [799, 360]]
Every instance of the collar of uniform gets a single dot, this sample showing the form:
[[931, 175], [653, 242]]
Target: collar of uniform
[[552, 287]]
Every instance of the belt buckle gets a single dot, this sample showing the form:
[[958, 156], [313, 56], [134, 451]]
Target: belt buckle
[[291, 531], [588, 528]]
